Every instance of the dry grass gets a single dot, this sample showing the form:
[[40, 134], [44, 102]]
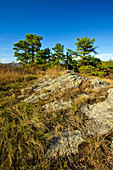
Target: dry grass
[[10, 73], [26, 131], [56, 71]]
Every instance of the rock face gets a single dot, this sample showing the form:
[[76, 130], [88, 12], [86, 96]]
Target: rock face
[[47, 86], [66, 144], [57, 105], [98, 83], [32, 99], [100, 115], [68, 80]]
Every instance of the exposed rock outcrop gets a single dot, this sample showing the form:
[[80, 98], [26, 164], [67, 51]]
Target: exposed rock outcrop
[[100, 115], [98, 83], [68, 80], [57, 105], [66, 144], [46, 86]]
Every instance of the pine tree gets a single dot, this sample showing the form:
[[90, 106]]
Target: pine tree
[[84, 48], [58, 54], [42, 56], [28, 50]]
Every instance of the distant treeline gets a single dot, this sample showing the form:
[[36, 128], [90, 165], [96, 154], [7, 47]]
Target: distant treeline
[[29, 52]]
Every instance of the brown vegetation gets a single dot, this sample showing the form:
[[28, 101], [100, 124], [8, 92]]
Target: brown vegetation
[[25, 131]]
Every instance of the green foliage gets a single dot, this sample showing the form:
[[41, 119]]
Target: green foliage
[[102, 73], [86, 69], [42, 56], [69, 59], [28, 50], [58, 54], [84, 48]]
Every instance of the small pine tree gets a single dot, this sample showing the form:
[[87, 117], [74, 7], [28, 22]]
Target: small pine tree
[[58, 54], [84, 48], [28, 50]]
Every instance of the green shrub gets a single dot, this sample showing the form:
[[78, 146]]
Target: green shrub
[[101, 73], [86, 69]]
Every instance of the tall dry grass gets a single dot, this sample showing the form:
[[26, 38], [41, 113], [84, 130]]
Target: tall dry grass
[[26, 131], [12, 73]]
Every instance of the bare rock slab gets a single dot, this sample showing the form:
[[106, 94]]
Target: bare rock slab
[[100, 115], [57, 105], [66, 144], [98, 83]]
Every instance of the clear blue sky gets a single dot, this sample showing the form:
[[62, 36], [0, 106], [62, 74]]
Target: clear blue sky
[[59, 21]]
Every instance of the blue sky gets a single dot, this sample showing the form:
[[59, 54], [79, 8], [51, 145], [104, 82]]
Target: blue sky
[[57, 21]]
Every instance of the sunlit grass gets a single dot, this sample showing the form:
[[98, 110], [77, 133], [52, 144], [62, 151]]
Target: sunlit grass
[[26, 131]]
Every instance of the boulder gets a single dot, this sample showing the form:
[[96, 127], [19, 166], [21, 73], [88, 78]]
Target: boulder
[[65, 144], [98, 83], [100, 115]]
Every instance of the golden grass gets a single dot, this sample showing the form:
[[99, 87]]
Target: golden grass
[[56, 71], [26, 131]]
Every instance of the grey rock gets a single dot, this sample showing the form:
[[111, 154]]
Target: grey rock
[[47, 86], [57, 105], [65, 144], [43, 96], [100, 115], [78, 83], [69, 80], [98, 83], [32, 99], [22, 96]]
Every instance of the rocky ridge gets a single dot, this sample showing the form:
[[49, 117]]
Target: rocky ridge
[[100, 115]]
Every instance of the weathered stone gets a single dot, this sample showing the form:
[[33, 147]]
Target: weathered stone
[[21, 96], [98, 83], [43, 96], [46, 86], [49, 85], [32, 99], [57, 105], [28, 89], [78, 83], [100, 115], [65, 144]]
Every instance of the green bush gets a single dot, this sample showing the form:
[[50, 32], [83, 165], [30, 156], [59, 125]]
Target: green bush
[[101, 73], [86, 69]]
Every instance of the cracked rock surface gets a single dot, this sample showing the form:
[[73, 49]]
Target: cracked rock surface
[[100, 115], [66, 144]]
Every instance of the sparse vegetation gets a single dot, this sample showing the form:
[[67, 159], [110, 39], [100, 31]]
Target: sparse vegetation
[[25, 131]]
